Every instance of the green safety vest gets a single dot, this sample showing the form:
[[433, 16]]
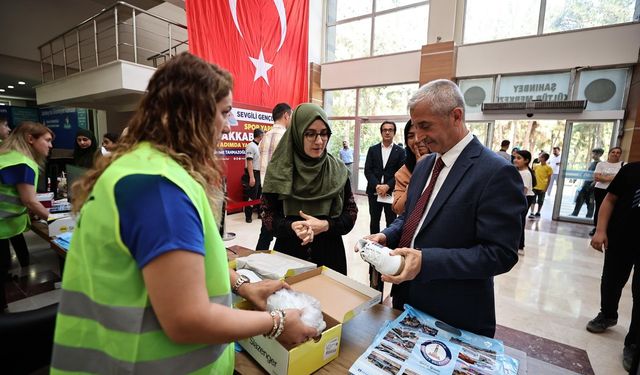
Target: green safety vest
[[14, 216], [105, 321]]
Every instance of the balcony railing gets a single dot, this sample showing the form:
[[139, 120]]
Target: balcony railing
[[120, 32]]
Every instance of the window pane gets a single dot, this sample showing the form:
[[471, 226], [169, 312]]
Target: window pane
[[341, 130], [349, 40], [500, 19], [340, 103], [404, 30], [389, 4], [385, 100], [479, 129], [562, 15], [342, 9]]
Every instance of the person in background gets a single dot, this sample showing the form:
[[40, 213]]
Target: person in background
[[281, 115], [109, 143], [414, 151], [85, 149], [616, 235], [543, 173], [21, 155], [4, 129], [603, 175], [554, 163], [504, 146], [346, 155], [521, 161], [383, 161], [251, 187], [514, 152], [585, 193], [307, 200], [158, 300]]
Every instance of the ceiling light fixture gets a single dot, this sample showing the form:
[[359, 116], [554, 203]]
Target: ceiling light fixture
[[21, 83], [10, 87], [1, 90]]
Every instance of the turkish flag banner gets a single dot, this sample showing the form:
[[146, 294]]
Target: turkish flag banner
[[263, 43]]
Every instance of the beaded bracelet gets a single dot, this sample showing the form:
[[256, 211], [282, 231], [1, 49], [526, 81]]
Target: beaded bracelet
[[281, 325], [273, 314]]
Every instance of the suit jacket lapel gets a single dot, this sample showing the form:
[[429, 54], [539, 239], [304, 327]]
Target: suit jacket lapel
[[460, 167], [379, 156]]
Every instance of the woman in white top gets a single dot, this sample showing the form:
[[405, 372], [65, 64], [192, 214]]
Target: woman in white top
[[521, 160], [603, 175]]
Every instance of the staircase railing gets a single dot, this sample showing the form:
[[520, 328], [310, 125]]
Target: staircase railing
[[119, 32]]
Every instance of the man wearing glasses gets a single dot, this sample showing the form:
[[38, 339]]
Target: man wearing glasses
[[383, 161]]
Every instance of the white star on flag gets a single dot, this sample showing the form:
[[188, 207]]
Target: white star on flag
[[262, 67]]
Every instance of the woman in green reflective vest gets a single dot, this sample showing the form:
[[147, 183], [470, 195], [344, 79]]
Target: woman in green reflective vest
[[146, 286], [20, 154]]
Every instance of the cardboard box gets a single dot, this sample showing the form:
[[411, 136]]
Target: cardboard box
[[341, 298], [61, 223], [275, 269]]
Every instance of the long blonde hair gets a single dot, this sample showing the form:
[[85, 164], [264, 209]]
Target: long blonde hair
[[18, 140], [176, 116]]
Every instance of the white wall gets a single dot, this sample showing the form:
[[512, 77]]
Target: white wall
[[596, 47], [441, 14], [316, 20], [374, 71]]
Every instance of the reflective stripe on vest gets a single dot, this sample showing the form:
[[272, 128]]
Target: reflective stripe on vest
[[118, 318], [9, 198], [97, 362]]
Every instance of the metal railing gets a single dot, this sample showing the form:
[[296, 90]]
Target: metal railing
[[120, 32]]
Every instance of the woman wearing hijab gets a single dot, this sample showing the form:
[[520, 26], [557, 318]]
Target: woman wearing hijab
[[84, 151], [414, 151], [308, 204]]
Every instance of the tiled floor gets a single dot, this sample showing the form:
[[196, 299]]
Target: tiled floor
[[551, 293]]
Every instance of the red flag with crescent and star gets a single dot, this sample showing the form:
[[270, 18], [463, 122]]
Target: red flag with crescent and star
[[263, 43]]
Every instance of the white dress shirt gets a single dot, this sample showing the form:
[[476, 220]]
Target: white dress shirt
[[448, 158], [386, 152]]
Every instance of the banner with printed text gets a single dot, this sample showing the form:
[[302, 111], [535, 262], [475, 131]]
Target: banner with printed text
[[243, 120]]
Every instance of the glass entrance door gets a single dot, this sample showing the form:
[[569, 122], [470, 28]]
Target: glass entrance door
[[586, 144]]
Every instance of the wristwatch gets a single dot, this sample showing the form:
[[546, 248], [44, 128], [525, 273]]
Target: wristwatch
[[239, 281]]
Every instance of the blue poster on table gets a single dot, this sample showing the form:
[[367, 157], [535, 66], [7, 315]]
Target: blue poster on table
[[64, 124], [416, 343]]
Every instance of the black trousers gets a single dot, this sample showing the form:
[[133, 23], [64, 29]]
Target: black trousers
[[599, 195], [250, 193], [22, 252], [375, 211], [264, 241], [585, 195], [618, 262]]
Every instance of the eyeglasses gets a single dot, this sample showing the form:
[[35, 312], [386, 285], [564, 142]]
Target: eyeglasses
[[312, 136]]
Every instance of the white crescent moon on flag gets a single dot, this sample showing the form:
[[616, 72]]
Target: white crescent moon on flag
[[282, 15]]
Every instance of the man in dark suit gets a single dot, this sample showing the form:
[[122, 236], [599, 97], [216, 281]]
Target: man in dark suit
[[383, 161], [462, 221]]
